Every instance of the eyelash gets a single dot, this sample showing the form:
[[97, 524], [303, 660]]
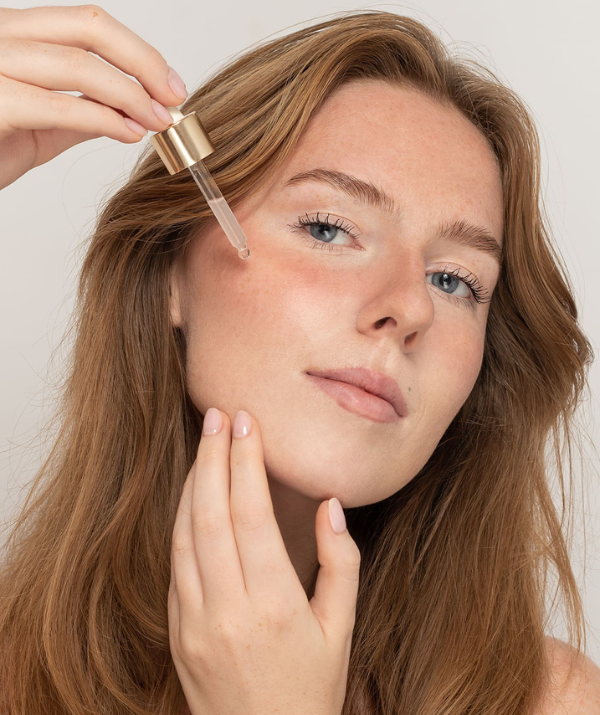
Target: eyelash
[[480, 294]]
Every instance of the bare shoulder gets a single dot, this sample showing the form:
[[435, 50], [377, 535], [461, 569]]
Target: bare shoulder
[[575, 682]]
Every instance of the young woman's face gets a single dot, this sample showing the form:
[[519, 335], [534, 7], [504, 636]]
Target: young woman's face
[[377, 290]]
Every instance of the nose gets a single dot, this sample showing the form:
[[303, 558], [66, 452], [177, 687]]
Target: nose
[[400, 305]]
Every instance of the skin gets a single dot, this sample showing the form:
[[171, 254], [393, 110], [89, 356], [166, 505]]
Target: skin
[[253, 328]]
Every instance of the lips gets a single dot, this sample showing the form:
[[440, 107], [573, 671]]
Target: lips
[[374, 382]]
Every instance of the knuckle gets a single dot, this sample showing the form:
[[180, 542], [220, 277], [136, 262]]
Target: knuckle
[[207, 455], [73, 59], [139, 98], [352, 560], [250, 515], [349, 563], [350, 572], [179, 544], [59, 103], [153, 58], [350, 567], [206, 525], [230, 633], [92, 13], [190, 646], [277, 613]]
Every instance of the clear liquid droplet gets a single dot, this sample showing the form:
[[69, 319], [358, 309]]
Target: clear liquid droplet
[[244, 253]]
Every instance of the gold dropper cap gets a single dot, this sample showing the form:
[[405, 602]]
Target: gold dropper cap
[[184, 143]]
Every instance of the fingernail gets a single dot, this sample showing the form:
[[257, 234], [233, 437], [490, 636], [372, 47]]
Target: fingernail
[[135, 127], [161, 112], [242, 424], [177, 84], [212, 421], [336, 515]]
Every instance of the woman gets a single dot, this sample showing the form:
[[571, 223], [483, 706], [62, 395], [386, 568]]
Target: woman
[[182, 553]]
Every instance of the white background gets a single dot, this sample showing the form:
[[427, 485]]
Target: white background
[[546, 51]]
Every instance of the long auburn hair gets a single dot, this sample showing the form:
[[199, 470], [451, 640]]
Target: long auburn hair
[[451, 611]]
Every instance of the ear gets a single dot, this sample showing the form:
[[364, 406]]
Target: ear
[[176, 293]]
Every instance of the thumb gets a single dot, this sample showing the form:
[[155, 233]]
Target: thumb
[[336, 588]]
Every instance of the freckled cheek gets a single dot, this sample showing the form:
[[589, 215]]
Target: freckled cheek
[[289, 297], [288, 282], [460, 360], [274, 314]]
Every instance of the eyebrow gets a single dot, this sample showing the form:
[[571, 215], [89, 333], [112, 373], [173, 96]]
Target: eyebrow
[[460, 231]]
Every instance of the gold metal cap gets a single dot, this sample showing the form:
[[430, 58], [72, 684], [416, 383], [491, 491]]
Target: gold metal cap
[[183, 143]]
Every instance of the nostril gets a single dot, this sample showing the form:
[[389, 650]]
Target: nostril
[[381, 323]]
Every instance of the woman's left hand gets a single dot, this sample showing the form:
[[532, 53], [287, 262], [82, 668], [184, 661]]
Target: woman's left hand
[[243, 636]]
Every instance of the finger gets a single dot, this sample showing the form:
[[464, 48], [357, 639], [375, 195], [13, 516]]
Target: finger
[[72, 69], [216, 549], [28, 107], [264, 558], [91, 28], [184, 566], [336, 588]]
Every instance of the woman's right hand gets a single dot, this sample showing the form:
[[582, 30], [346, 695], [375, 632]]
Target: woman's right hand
[[50, 48]]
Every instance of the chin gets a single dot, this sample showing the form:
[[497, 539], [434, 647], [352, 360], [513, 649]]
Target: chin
[[320, 474]]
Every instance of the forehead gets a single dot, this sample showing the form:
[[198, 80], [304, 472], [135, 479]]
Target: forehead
[[392, 121]]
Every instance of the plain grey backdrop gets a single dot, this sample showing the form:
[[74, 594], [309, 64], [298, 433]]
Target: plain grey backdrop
[[545, 51]]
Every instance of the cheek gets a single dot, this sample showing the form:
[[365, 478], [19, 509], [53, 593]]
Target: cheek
[[246, 318], [454, 358]]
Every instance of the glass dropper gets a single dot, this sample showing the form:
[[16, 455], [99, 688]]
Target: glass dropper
[[220, 208], [184, 145]]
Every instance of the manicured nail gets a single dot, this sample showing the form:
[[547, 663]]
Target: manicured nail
[[242, 424], [177, 84], [212, 421], [161, 112], [135, 127], [336, 515]]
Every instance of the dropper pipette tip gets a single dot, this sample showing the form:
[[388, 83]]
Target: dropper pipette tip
[[220, 208]]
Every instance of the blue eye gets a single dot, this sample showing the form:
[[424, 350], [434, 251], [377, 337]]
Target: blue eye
[[449, 282], [324, 231], [480, 295], [321, 229]]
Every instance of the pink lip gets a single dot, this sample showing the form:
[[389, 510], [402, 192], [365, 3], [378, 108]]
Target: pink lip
[[365, 392]]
